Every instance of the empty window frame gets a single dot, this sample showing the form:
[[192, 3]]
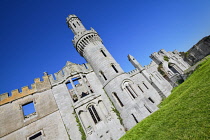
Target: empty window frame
[[68, 85], [28, 109], [103, 53], [94, 114], [76, 80], [117, 98], [37, 136], [113, 66]]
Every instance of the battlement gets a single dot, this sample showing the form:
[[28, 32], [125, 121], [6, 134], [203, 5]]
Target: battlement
[[70, 69], [133, 72], [37, 86]]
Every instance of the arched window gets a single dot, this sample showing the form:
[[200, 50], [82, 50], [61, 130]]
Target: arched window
[[117, 98], [94, 114], [127, 86]]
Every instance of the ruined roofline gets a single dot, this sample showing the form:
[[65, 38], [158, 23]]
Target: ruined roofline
[[47, 83]]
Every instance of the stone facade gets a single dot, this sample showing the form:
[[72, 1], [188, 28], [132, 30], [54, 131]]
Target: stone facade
[[198, 51], [96, 99]]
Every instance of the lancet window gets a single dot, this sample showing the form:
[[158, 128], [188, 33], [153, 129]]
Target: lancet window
[[94, 114]]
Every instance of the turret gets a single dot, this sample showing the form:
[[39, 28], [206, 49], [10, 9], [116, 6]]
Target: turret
[[75, 24], [135, 63]]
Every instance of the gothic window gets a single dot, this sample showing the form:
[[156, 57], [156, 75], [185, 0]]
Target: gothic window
[[145, 85], [103, 75], [37, 136], [94, 114], [114, 68], [68, 85], [117, 98], [28, 109], [130, 90], [103, 53]]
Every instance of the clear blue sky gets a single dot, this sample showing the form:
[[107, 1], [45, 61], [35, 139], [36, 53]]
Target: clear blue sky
[[34, 37]]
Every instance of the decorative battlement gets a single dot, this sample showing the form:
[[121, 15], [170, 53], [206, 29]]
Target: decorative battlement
[[133, 72], [70, 69], [37, 86], [82, 39]]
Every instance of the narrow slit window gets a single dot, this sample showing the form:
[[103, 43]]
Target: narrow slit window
[[103, 53], [117, 98], [114, 68], [78, 23], [145, 85], [140, 89], [74, 25], [135, 118], [103, 75], [148, 109], [151, 100], [28, 109], [37, 136]]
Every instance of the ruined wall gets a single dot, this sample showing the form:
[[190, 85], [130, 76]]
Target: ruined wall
[[15, 125], [198, 51]]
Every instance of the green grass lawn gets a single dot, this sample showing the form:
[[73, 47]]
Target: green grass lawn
[[184, 115]]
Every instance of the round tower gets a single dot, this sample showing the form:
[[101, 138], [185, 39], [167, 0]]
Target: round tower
[[89, 45], [117, 84]]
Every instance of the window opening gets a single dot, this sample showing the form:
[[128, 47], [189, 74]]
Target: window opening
[[69, 86], [37, 136], [145, 85], [151, 100], [148, 109], [103, 75], [75, 80], [78, 23], [135, 118], [115, 95], [130, 92], [114, 68], [74, 25], [103, 53], [94, 114], [140, 89], [84, 94], [28, 109]]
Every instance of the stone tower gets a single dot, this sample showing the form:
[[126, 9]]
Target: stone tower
[[117, 84]]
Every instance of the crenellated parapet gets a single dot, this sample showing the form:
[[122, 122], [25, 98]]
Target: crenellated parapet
[[37, 86], [133, 72], [70, 69], [82, 39]]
